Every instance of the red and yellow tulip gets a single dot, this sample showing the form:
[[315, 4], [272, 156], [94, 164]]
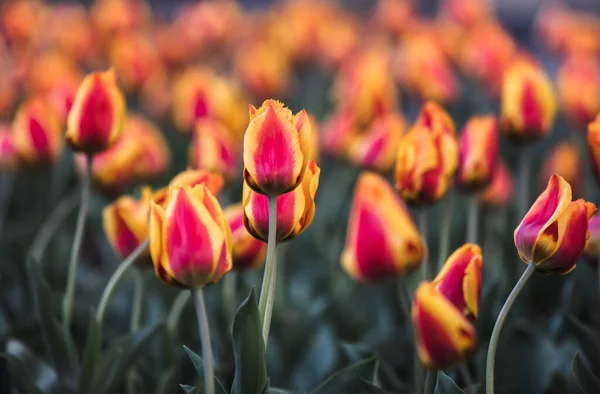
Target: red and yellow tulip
[[155, 157], [248, 253], [578, 83], [478, 153], [564, 159], [554, 232], [500, 192], [212, 181], [213, 148], [134, 59], [382, 239]]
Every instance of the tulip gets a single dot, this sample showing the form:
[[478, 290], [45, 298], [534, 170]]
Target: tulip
[[578, 82], [70, 30], [114, 17], [248, 253], [394, 15], [554, 232], [339, 130], [134, 59], [592, 246], [499, 193], [436, 119], [37, 133], [156, 95], [276, 148], [8, 152], [125, 223], [460, 279], [315, 139], [593, 144], [96, 119], [565, 160], [213, 182], [213, 148], [263, 69], [376, 148], [155, 158], [443, 335], [190, 240], [527, 103], [338, 39], [382, 239], [295, 209], [478, 153]]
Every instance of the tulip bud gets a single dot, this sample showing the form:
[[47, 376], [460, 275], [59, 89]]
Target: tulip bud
[[436, 119], [8, 152], [565, 160], [554, 232], [276, 148], [578, 83], [248, 253], [213, 182], [478, 153], [295, 209], [125, 222], [425, 165], [593, 144], [37, 133], [155, 158], [499, 193], [528, 103], [443, 335], [339, 130], [377, 147], [134, 59], [213, 148], [460, 279], [592, 246], [96, 119], [382, 239], [190, 240], [263, 69]]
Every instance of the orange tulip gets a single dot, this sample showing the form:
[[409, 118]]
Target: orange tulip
[[214, 149], [528, 103], [500, 192], [96, 119], [394, 15], [436, 119], [444, 336], [460, 279], [248, 253], [155, 157], [295, 209], [8, 152], [565, 160], [593, 144], [192, 178], [70, 30], [134, 59], [578, 82], [467, 12], [478, 153], [382, 239], [114, 17], [276, 148], [37, 133], [554, 232], [263, 69], [190, 240]]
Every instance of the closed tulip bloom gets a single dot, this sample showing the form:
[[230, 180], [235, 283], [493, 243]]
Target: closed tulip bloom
[[593, 144], [425, 165], [248, 253], [443, 335], [578, 83], [500, 192], [339, 130], [125, 222], [295, 209], [190, 240], [155, 158], [135, 60], [554, 232], [37, 133], [213, 148], [96, 118], [382, 240], [212, 181], [436, 119], [592, 246], [528, 104], [565, 160], [478, 153], [460, 279], [263, 69], [8, 152], [376, 148], [276, 148]]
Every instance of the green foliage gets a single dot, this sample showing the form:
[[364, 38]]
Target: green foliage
[[445, 385]]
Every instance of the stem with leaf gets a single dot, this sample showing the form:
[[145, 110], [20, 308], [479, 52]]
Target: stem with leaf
[[491, 355], [473, 219], [207, 357], [67, 306], [138, 302], [267, 292]]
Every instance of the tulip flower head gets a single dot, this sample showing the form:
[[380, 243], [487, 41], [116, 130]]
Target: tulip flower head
[[578, 83], [499, 193], [295, 209], [553, 234], [276, 148], [478, 153], [190, 240], [565, 160], [444, 336], [213, 148], [248, 253], [155, 157], [382, 239], [213, 182], [460, 279], [97, 116]]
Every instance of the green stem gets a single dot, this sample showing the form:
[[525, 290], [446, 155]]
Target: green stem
[[116, 277], [207, 357], [6, 190], [172, 323], [138, 302], [445, 231], [228, 290], [422, 223], [67, 306], [491, 355], [468, 379], [473, 219], [430, 381], [404, 298], [267, 290]]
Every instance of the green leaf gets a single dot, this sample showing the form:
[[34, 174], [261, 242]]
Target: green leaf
[[199, 365], [273, 390], [90, 355], [20, 374], [57, 340], [588, 340], [371, 388], [349, 379], [445, 385], [187, 389], [248, 349], [587, 381], [121, 355]]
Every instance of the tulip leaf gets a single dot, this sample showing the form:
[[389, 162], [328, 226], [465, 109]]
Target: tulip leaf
[[187, 389], [19, 371], [348, 380], [199, 365], [249, 349], [90, 354], [57, 340], [371, 388], [587, 339], [445, 385], [587, 381]]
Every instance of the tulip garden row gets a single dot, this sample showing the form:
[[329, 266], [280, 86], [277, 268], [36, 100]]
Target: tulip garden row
[[350, 243]]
